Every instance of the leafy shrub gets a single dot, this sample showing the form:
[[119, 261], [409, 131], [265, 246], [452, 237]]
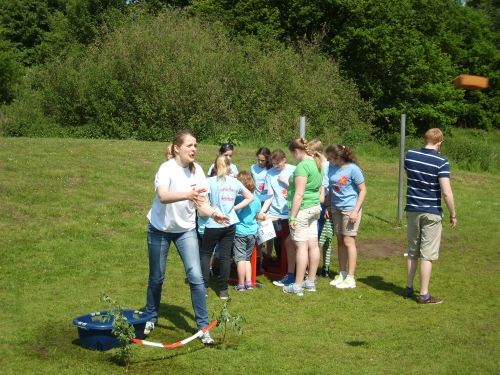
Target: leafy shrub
[[155, 76]]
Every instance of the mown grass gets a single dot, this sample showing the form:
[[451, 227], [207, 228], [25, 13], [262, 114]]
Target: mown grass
[[73, 224]]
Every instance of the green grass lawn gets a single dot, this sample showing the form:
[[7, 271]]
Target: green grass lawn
[[73, 224]]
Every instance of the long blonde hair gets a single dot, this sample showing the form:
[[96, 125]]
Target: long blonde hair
[[168, 152], [222, 163]]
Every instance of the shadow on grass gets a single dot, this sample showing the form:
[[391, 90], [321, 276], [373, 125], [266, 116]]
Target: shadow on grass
[[356, 343], [377, 217], [178, 316], [377, 282]]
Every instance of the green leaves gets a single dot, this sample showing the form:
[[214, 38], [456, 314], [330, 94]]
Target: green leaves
[[122, 329], [226, 319]]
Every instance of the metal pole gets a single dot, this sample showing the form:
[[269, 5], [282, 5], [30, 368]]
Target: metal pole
[[401, 167], [302, 127]]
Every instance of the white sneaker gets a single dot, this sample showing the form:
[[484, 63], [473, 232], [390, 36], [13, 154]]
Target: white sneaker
[[347, 284], [149, 327], [207, 339], [337, 280]]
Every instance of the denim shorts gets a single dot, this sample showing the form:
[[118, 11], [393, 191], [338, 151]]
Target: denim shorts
[[243, 247]]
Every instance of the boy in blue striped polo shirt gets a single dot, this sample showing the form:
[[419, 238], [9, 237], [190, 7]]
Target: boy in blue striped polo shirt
[[428, 175]]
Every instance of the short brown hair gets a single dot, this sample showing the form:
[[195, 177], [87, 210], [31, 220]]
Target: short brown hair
[[278, 155], [433, 136]]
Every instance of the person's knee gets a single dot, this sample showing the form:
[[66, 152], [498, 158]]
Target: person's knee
[[155, 280]]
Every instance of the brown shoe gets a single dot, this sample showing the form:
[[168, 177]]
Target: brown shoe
[[429, 301], [408, 294]]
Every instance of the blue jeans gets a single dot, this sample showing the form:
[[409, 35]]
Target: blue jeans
[[187, 246]]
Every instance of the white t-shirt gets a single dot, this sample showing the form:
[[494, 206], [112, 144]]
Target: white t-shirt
[[180, 216]]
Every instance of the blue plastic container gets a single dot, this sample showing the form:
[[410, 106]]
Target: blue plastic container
[[95, 334]]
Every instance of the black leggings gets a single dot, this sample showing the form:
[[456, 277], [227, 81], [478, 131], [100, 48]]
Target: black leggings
[[225, 238]]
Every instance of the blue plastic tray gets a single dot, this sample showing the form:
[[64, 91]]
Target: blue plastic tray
[[97, 335]]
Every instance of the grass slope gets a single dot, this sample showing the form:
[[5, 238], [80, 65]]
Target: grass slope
[[73, 224]]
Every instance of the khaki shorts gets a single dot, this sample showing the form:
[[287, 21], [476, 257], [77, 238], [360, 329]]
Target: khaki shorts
[[306, 224], [424, 235], [341, 224]]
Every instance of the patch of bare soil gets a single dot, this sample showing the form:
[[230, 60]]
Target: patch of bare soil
[[368, 249]]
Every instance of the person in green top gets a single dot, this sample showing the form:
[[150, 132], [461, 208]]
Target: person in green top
[[305, 193]]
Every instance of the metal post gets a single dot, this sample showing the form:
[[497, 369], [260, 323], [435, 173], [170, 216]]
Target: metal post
[[302, 127], [401, 166]]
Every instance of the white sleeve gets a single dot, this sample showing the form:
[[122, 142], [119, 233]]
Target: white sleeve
[[163, 177]]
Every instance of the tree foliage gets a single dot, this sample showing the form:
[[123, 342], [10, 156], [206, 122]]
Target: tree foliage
[[40, 29], [155, 76], [401, 54]]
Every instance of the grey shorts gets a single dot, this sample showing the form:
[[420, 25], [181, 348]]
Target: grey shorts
[[243, 247], [424, 235]]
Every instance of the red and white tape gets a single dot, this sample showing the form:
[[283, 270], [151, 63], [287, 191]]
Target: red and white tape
[[178, 343]]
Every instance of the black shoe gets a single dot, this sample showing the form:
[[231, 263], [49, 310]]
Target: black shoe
[[325, 274], [408, 294]]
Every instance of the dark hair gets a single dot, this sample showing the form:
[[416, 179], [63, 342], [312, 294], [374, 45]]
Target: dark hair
[[225, 147], [301, 144], [344, 153], [178, 141], [267, 153]]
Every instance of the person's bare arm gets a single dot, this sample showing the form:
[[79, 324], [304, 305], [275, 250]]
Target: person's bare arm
[[267, 203], [166, 196], [205, 210], [361, 198], [248, 198], [300, 188], [445, 185]]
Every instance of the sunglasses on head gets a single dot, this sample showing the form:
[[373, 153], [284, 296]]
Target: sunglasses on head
[[227, 145]]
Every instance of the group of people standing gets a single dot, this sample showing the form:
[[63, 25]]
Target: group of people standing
[[200, 214]]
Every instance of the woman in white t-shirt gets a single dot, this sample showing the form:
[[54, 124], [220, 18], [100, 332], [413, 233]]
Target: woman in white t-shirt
[[179, 184]]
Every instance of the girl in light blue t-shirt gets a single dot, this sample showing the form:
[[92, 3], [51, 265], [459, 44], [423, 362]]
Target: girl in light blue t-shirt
[[259, 171], [347, 192], [223, 190]]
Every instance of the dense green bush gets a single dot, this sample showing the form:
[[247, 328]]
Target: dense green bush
[[155, 76]]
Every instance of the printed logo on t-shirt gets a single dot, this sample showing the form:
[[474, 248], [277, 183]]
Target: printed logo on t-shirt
[[260, 187], [229, 190], [342, 181], [284, 192]]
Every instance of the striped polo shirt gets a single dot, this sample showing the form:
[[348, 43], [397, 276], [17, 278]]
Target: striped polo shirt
[[424, 167]]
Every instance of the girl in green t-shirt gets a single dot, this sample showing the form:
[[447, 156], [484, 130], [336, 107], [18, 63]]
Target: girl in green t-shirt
[[305, 193]]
